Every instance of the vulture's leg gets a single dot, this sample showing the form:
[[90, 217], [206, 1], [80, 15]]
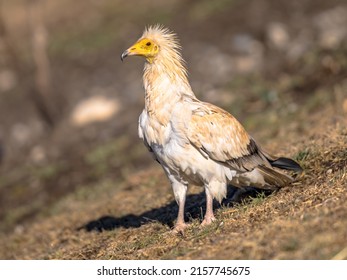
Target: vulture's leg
[[209, 216], [180, 191]]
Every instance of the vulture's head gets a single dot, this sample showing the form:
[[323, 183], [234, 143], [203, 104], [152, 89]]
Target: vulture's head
[[155, 42]]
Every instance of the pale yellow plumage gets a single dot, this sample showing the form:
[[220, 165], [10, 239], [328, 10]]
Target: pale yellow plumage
[[196, 142]]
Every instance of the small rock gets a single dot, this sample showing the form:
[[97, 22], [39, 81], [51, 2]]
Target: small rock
[[278, 35], [344, 105], [331, 25], [8, 80], [216, 70], [94, 109], [38, 154], [21, 133], [245, 44], [250, 53], [19, 229], [300, 45]]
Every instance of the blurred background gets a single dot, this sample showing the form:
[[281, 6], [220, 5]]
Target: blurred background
[[69, 107]]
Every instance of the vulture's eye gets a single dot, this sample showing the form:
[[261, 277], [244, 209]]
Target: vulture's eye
[[148, 44]]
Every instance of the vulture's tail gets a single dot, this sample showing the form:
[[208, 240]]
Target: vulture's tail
[[286, 163], [276, 178], [282, 162]]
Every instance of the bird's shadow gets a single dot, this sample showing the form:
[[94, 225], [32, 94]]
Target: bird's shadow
[[167, 214]]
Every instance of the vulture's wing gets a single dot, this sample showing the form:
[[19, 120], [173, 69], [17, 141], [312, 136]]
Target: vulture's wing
[[220, 137]]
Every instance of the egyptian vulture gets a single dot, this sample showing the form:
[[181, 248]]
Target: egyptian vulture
[[196, 142]]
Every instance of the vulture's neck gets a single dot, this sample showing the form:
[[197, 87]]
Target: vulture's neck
[[165, 82]]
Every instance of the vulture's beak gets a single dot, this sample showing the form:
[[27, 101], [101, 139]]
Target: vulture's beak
[[124, 55]]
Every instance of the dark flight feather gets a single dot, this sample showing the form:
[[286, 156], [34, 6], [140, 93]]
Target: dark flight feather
[[286, 163]]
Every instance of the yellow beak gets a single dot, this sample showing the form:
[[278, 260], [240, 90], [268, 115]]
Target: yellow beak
[[133, 50]]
